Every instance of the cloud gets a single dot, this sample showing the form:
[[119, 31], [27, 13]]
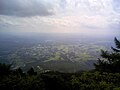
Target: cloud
[[116, 5], [97, 16], [25, 8]]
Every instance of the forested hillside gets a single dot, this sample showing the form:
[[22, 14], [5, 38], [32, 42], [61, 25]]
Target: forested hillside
[[105, 76]]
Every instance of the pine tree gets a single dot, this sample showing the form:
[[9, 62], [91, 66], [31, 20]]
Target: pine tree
[[111, 62]]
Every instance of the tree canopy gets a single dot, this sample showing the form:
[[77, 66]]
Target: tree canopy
[[110, 61]]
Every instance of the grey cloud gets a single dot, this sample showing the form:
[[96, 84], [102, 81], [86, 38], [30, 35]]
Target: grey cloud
[[24, 8]]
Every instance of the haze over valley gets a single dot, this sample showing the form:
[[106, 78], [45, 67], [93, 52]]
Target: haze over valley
[[60, 35]]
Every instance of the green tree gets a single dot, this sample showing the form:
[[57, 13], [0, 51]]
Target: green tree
[[4, 69], [31, 72], [111, 59]]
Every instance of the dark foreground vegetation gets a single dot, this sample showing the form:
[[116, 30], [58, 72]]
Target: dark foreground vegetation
[[106, 76]]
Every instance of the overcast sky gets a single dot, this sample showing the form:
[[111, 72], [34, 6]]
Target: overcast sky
[[60, 16]]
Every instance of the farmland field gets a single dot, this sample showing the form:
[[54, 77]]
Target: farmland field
[[74, 53]]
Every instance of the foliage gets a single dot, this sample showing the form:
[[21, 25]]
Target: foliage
[[4, 70], [111, 62], [17, 80], [31, 72]]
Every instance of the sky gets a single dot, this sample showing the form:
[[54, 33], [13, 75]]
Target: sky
[[60, 16]]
